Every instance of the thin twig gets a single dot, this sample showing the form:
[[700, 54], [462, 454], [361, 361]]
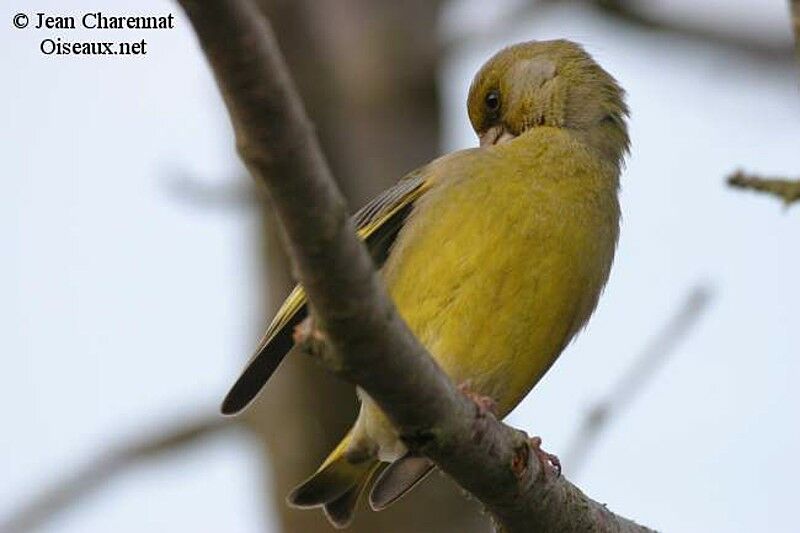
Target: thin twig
[[785, 189], [365, 339], [637, 376], [100, 470]]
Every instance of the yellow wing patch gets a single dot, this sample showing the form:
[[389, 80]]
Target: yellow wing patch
[[370, 218]]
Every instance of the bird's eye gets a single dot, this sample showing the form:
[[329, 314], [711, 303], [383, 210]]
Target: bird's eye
[[492, 101]]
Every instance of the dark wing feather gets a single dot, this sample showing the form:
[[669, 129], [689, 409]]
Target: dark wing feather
[[378, 223]]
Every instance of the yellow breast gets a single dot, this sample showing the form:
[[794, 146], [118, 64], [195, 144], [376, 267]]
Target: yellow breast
[[502, 262]]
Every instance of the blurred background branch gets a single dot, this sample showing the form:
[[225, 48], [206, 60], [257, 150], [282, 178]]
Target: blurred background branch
[[634, 14], [637, 377], [95, 475], [233, 194]]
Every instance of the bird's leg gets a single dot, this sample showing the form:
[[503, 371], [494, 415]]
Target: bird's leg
[[485, 404], [304, 330], [310, 340], [550, 463]]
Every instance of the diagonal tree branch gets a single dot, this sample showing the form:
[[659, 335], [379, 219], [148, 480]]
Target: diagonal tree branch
[[365, 340], [785, 189], [95, 474]]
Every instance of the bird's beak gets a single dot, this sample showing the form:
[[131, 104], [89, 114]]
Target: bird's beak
[[495, 135]]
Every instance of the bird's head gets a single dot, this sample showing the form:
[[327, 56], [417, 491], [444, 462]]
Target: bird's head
[[548, 83]]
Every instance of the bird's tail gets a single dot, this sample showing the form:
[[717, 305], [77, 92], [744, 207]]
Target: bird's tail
[[340, 481], [397, 479], [336, 486]]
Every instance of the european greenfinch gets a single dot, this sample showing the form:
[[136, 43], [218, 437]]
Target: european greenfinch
[[494, 256]]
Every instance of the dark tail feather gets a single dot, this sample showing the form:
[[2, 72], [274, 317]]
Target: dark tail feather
[[331, 483], [340, 511], [398, 478]]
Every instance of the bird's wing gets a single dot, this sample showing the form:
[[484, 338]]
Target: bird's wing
[[377, 223]]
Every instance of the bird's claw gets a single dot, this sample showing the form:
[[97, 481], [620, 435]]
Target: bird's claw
[[549, 462], [485, 404]]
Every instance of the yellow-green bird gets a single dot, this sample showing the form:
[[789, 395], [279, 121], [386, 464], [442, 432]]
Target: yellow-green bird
[[495, 256]]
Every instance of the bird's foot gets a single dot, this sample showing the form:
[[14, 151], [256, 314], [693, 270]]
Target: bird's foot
[[309, 339], [485, 404], [550, 463], [303, 331]]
